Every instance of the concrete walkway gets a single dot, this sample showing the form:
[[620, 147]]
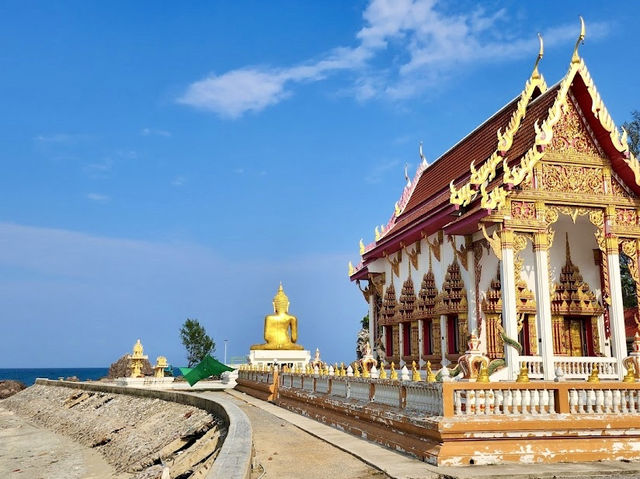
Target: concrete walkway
[[399, 466]]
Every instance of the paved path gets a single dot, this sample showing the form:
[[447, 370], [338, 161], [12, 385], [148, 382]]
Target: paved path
[[286, 452], [31, 452], [399, 466]]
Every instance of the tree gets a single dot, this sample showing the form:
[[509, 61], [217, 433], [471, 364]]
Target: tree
[[196, 341], [633, 129]]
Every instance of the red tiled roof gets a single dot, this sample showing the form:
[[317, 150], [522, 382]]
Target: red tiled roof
[[453, 164]]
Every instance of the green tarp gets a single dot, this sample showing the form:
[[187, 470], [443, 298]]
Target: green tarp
[[207, 367]]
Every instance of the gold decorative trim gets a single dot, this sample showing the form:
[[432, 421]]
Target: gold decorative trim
[[466, 193]]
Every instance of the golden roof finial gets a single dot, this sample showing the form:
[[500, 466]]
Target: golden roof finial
[[576, 57], [568, 249], [536, 73], [361, 247], [351, 269], [377, 233]]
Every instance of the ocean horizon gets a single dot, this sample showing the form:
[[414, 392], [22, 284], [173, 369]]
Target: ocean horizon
[[28, 376]]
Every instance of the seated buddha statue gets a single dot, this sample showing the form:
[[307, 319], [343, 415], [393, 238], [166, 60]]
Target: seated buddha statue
[[277, 326]]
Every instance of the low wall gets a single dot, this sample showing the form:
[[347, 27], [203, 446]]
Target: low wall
[[462, 423], [234, 459]]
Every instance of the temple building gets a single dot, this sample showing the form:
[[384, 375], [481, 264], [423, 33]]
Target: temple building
[[516, 233]]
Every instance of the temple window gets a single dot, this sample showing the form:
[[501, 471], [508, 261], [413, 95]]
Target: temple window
[[427, 337], [452, 303], [406, 309], [388, 334], [574, 313], [525, 308], [426, 312], [406, 339], [453, 333]]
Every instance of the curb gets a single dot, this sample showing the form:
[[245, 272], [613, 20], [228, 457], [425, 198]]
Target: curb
[[234, 459]]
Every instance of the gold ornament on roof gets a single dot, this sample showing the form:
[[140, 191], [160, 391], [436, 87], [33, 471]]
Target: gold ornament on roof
[[280, 328], [576, 58]]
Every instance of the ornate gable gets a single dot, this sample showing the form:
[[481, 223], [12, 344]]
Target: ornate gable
[[570, 133]]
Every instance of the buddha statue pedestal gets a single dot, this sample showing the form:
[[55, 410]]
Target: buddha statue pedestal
[[290, 357], [281, 336]]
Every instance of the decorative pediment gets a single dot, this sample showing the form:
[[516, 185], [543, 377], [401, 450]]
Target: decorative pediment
[[427, 297], [407, 301], [525, 298], [570, 133], [389, 305], [572, 296], [453, 299]]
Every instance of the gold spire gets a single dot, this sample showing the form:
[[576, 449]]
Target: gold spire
[[536, 73], [568, 249], [351, 269], [361, 247], [576, 58]]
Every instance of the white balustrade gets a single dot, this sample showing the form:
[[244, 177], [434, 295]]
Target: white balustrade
[[339, 387], [496, 401], [604, 401], [579, 367], [425, 398], [322, 385], [359, 390], [388, 393], [534, 366]]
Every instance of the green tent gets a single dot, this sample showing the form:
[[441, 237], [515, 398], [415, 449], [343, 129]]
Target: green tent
[[207, 367]]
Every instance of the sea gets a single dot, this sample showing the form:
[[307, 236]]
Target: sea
[[28, 375]]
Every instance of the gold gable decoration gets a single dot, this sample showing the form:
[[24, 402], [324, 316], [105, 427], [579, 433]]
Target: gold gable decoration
[[572, 296], [389, 306], [427, 297], [407, 301], [453, 299], [570, 134]]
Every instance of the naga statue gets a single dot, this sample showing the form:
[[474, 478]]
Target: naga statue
[[277, 326]]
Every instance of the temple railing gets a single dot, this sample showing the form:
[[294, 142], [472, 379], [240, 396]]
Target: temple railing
[[573, 367], [534, 366], [579, 367], [462, 398]]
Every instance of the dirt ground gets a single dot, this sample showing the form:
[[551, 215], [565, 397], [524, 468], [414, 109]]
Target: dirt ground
[[31, 452], [286, 452]]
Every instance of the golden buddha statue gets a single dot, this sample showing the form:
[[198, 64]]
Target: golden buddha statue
[[276, 326]]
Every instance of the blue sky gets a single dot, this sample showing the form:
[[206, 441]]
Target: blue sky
[[167, 160]]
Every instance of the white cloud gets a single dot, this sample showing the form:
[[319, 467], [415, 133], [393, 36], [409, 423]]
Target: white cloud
[[424, 42], [60, 138], [98, 197], [154, 132]]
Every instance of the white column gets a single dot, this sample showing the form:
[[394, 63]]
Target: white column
[[618, 335], [509, 315], [472, 319], [543, 304], [372, 322], [421, 362], [400, 343], [443, 339]]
